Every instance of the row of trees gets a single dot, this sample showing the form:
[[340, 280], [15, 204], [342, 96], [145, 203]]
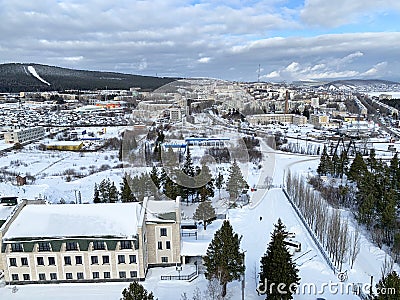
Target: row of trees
[[371, 192], [328, 224]]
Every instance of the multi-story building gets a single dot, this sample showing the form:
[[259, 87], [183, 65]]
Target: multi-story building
[[319, 121], [277, 118], [23, 135], [89, 242]]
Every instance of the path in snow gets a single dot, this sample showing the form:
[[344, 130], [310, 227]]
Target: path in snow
[[35, 74]]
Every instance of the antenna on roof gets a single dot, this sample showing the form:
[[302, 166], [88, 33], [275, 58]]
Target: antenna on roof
[[259, 71]]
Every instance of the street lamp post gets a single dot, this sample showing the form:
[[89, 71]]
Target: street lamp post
[[179, 269]]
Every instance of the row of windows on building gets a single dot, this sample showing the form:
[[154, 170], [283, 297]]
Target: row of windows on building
[[78, 260], [79, 276], [71, 246]]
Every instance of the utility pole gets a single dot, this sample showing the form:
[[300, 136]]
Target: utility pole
[[259, 71]]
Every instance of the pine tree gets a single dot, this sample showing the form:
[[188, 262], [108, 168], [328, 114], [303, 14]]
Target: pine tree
[[325, 164], [358, 168], [205, 191], [136, 291], [235, 183], [96, 198], [204, 212], [277, 267], [389, 282], [224, 260], [187, 182], [219, 181], [113, 193], [104, 190], [126, 192], [163, 178], [154, 177]]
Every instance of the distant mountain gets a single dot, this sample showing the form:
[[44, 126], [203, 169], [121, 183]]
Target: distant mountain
[[16, 77], [361, 85]]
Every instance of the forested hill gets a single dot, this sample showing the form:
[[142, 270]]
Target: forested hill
[[16, 77]]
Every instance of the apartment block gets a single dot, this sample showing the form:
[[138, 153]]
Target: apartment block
[[45, 243]]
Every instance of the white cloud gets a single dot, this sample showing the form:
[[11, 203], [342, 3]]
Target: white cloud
[[204, 60]]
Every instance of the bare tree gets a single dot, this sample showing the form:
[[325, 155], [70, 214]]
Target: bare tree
[[197, 294], [387, 266], [214, 290], [354, 249]]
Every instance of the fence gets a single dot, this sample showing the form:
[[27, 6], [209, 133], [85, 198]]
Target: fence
[[180, 277]]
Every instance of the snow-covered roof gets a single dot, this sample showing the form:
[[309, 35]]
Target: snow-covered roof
[[5, 211], [65, 143], [161, 211], [76, 220]]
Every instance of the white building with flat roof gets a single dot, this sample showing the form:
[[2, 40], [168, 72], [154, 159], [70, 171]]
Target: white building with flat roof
[[46, 243], [23, 135]]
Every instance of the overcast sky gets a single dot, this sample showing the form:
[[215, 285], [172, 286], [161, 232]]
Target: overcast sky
[[289, 40]]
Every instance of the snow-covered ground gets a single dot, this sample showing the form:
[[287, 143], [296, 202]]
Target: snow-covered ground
[[254, 222]]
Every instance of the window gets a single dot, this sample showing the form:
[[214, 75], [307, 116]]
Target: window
[[26, 276], [126, 244], [164, 259], [78, 260], [132, 259], [24, 261], [106, 259], [107, 275], [67, 260], [53, 276], [168, 245], [122, 274], [42, 276], [52, 261], [13, 262], [68, 275], [121, 259], [71, 246], [163, 231], [159, 245], [14, 277], [40, 261], [98, 245], [17, 247], [133, 274], [96, 275], [44, 246], [95, 260], [79, 275]]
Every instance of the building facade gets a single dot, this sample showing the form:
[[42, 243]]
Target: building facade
[[23, 135], [89, 242]]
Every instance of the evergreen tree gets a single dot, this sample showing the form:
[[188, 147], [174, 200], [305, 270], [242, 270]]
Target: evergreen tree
[[136, 291], [113, 193], [389, 282], [188, 182], [335, 165], [219, 181], [224, 260], [104, 191], [277, 267], [204, 212], [162, 178], [154, 177], [236, 182], [96, 197], [358, 168], [325, 165], [207, 190], [126, 192]]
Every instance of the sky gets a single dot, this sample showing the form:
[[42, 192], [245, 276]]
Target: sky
[[271, 40]]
